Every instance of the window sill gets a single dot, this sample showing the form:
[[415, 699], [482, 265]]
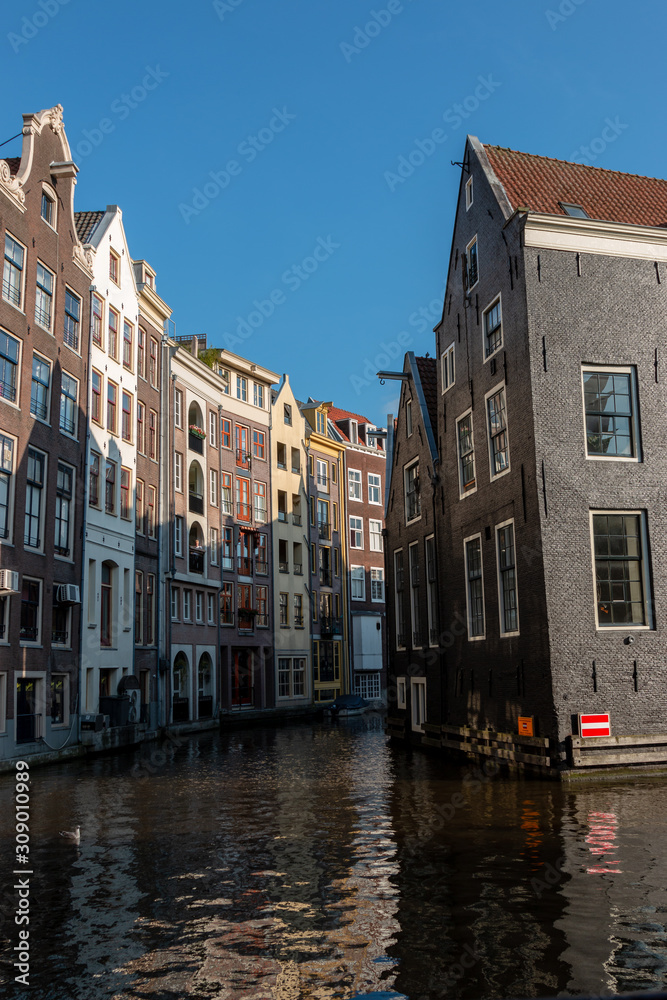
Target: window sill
[[30, 645], [14, 306]]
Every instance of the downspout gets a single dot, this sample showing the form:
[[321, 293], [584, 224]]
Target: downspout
[[84, 518], [220, 537]]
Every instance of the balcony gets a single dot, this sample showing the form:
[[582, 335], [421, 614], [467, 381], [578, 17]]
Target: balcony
[[296, 519], [195, 443], [195, 503], [196, 560], [330, 626], [29, 633], [324, 529]]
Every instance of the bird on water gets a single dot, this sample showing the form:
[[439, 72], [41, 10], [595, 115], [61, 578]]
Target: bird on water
[[73, 835]]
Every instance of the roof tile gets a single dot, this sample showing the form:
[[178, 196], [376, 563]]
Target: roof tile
[[428, 374], [86, 222]]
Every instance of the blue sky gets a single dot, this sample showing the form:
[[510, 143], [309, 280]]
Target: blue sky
[[254, 147]]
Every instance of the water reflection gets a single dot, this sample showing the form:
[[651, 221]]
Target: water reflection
[[316, 862]]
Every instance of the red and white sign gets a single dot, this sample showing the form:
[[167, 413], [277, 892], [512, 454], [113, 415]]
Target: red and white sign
[[595, 725]]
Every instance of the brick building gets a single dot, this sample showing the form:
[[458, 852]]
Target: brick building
[[44, 311], [550, 514]]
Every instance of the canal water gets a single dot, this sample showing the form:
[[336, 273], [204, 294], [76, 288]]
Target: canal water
[[318, 862]]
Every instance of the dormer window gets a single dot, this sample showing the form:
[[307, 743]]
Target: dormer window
[[575, 211], [321, 422], [354, 432]]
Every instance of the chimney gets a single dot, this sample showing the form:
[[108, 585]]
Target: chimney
[[194, 346]]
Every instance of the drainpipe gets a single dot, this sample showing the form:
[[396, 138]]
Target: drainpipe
[[84, 520], [220, 536]]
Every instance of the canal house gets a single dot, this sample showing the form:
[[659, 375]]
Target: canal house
[[550, 519]]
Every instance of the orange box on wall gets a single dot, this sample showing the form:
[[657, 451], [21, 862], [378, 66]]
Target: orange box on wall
[[525, 725]]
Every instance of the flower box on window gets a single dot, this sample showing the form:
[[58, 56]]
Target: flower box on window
[[197, 431]]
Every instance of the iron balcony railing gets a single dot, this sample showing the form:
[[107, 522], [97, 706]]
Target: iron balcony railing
[[195, 443], [196, 561], [11, 292], [243, 458], [8, 390], [29, 632], [71, 334], [195, 502]]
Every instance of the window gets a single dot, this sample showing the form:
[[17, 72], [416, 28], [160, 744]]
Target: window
[[69, 393], [212, 428], [152, 434], [114, 267], [498, 441], [258, 444], [226, 380], [33, 501], [210, 609], [356, 533], [296, 462], [242, 447], [141, 353], [139, 507], [509, 610], [96, 319], [259, 502], [64, 493], [178, 472], [39, 392], [60, 697], [354, 432], [226, 494], [321, 423], [226, 432], [96, 399], [400, 692], [178, 408], [242, 388], [298, 611], [151, 523], [468, 193], [138, 608], [110, 488], [493, 329], [244, 598], [431, 592], [374, 487], [153, 363], [258, 395], [621, 576], [175, 603], [610, 406], [354, 484], [322, 476], [6, 470], [44, 297], [12, 274], [72, 320], [375, 535], [94, 497], [126, 420], [287, 414], [125, 482], [575, 211], [413, 507], [213, 487], [178, 536], [9, 361], [418, 701], [141, 428], [48, 208], [199, 607], [473, 270], [415, 606], [187, 605], [475, 589], [243, 509], [334, 518], [284, 611], [213, 546], [367, 685], [448, 368], [106, 605], [128, 338], [358, 583], [31, 611], [227, 542], [466, 450], [377, 585], [112, 333], [227, 604], [408, 418], [112, 399]]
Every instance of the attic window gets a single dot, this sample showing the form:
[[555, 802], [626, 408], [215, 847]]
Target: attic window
[[354, 434], [468, 193], [576, 211]]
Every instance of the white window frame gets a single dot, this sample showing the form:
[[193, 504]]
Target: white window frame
[[495, 301], [187, 604], [635, 431], [360, 577], [73, 434], [178, 408], [42, 502], [213, 487], [375, 486], [473, 243], [45, 361], [66, 695], [469, 193], [359, 530], [418, 703], [20, 308], [415, 590], [471, 538], [408, 418], [401, 687], [375, 535], [431, 591], [178, 471], [473, 489], [493, 476], [354, 486], [399, 596], [242, 388], [378, 580], [645, 574], [210, 609], [40, 614], [214, 545], [212, 426], [178, 535], [3, 700], [49, 328], [11, 489], [501, 605], [448, 368], [199, 607], [258, 394], [175, 604]]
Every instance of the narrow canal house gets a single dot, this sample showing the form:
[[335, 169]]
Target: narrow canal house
[[551, 402], [43, 390], [365, 471], [291, 551]]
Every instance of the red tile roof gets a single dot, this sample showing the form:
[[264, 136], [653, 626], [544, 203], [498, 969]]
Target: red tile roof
[[85, 224], [539, 183], [336, 414], [428, 374]]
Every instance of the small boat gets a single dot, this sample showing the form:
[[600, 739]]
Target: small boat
[[348, 704]]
